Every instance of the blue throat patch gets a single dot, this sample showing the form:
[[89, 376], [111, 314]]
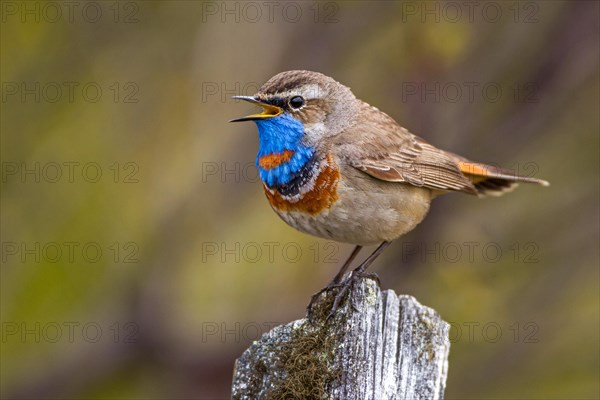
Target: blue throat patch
[[276, 135]]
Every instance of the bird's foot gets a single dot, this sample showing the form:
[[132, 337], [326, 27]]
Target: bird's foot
[[342, 289], [310, 309]]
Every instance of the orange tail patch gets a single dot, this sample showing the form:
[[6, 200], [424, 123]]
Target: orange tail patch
[[493, 180], [479, 172]]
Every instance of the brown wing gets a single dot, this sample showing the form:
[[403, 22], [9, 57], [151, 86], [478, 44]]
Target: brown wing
[[419, 164], [383, 149]]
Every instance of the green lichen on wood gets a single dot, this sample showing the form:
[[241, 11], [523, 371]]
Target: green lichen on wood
[[302, 356]]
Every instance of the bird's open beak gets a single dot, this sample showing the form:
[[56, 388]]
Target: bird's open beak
[[269, 111]]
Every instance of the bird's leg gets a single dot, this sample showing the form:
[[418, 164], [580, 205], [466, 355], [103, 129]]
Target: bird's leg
[[358, 272], [337, 278]]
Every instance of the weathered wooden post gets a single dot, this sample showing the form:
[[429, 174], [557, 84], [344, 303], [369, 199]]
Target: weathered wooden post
[[377, 346]]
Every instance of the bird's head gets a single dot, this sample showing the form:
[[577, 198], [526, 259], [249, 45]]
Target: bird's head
[[300, 109], [322, 106]]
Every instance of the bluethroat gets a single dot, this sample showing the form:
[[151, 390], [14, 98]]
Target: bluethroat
[[335, 167]]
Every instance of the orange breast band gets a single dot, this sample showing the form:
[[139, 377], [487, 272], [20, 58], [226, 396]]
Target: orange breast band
[[275, 160], [320, 197]]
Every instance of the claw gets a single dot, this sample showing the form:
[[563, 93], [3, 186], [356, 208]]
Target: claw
[[338, 298], [314, 297], [343, 284]]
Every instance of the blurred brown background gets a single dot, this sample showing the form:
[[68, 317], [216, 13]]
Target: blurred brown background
[[139, 256]]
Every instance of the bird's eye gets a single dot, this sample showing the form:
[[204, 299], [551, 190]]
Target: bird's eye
[[296, 102]]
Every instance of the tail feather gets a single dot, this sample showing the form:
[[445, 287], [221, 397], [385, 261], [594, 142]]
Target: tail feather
[[494, 181]]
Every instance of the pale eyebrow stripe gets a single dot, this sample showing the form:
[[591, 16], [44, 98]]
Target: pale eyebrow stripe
[[309, 92]]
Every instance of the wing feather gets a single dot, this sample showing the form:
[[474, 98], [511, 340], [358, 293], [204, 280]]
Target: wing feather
[[386, 151], [383, 149]]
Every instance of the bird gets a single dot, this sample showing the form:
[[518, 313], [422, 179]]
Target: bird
[[335, 167]]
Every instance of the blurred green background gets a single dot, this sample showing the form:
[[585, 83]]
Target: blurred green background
[[140, 258]]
